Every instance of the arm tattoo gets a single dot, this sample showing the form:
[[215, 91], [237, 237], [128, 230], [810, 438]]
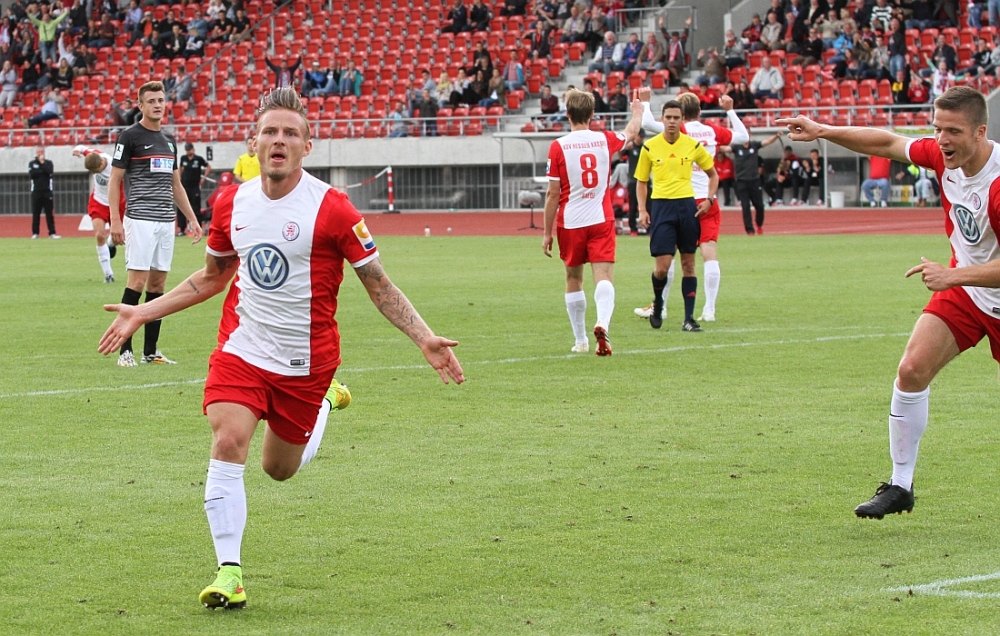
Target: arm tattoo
[[223, 263], [193, 286], [391, 301]]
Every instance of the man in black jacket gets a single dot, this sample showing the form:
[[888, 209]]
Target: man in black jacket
[[40, 170]]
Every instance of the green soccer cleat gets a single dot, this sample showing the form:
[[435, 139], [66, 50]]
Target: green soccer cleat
[[226, 590], [339, 396]]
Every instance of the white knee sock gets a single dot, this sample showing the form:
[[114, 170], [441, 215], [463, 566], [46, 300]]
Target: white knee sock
[[907, 422], [104, 258], [226, 507], [576, 307], [670, 281], [713, 275], [604, 298], [317, 434]]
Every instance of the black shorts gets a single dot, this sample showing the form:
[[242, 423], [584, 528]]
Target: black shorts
[[673, 227]]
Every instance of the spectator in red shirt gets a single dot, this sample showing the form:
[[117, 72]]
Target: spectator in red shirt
[[878, 177]]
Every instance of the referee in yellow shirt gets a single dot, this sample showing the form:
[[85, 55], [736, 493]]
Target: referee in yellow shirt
[[248, 165], [673, 221]]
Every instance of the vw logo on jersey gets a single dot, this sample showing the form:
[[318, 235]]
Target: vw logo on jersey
[[268, 266], [967, 224]]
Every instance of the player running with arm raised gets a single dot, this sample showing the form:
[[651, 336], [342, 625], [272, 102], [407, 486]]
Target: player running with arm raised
[[965, 306]]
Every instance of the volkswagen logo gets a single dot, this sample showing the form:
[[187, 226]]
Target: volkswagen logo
[[967, 224], [268, 267]]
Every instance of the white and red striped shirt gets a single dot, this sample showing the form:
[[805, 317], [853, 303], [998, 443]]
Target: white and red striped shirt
[[972, 208], [279, 312], [581, 163]]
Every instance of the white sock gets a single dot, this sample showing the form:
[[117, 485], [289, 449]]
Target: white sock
[[604, 298], [104, 258], [317, 434], [226, 507], [576, 307], [713, 275], [907, 422], [670, 281]]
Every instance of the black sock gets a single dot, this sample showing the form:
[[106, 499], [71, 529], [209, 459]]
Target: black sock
[[689, 288], [658, 285], [129, 297], [152, 331]]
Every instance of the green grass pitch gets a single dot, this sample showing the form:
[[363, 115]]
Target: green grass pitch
[[690, 484]]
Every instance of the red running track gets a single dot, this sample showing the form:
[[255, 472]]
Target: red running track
[[777, 221]]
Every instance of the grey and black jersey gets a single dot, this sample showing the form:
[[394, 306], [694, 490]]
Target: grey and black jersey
[[149, 158]]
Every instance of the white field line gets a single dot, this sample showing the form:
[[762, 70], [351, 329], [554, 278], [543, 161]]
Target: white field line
[[503, 336], [410, 367], [941, 588]]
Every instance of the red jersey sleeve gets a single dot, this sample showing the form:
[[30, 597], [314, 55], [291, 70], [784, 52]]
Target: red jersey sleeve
[[723, 135], [616, 141], [555, 168], [341, 221], [927, 154], [220, 238]]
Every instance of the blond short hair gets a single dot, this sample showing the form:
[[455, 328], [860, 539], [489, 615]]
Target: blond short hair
[[284, 99]]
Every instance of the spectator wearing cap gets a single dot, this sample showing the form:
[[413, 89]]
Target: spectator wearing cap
[[194, 169], [314, 84]]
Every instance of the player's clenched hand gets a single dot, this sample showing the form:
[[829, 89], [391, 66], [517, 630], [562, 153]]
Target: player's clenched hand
[[547, 246], [126, 323], [703, 207], [438, 352], [936, 276], [643, 94], [726, 103], [801, 128]]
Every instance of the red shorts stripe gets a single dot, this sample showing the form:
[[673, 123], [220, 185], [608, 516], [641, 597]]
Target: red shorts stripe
[[590, 244], [966, 321], [710, 221], [289, 404]]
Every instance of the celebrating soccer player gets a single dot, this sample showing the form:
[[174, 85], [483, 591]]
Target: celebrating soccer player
[[964, 306], [286, 235]]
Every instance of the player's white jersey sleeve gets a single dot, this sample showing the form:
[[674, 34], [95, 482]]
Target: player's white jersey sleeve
[[710, 137]]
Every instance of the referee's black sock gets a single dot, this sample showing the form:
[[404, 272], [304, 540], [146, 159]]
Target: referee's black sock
[[689, 288], [658, 285], [129, 297], [152, 331]]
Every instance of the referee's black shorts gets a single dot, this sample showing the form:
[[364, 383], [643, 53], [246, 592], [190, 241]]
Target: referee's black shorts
[[673, 227]]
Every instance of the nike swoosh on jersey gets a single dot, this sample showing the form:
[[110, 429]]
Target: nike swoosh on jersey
[[147, 147], [241, 227]]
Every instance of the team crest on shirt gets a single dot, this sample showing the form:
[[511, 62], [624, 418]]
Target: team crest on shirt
[[976, 201], [364, 236], [171, 146], [291, 231], [967, 224], [268, 267]]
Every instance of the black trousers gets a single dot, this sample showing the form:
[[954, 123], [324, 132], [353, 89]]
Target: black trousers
[[42, 202], [194, 198], [633, 205], [750, 192]]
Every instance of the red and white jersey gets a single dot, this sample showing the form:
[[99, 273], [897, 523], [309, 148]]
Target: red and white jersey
[[972, 205], [581, 163], [279, 312], [711, 136], [102, 178]]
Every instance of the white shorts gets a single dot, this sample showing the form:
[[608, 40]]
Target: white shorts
[[149, 245]]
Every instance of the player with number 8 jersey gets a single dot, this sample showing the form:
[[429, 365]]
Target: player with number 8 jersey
[[578, 204]]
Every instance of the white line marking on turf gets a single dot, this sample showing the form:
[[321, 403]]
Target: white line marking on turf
[[410, 367], [940, 588]]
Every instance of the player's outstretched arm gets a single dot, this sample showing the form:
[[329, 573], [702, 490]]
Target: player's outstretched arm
[[740, 133], [866, 141], [199, 287], [937, 277], [390, 300]]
